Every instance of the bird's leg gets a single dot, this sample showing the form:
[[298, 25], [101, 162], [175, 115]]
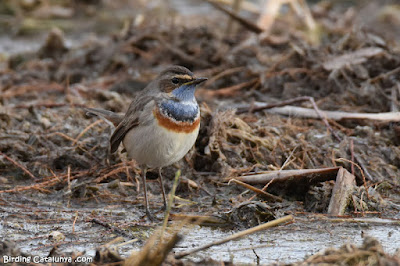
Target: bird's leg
[[162, 187], [146, 201]]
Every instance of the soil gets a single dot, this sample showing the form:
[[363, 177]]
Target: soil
[[62, 194]]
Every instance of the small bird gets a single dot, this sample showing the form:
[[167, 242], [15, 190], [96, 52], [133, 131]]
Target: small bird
[[161, 124]]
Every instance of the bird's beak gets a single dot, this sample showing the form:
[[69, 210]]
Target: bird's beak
[[196, 81]]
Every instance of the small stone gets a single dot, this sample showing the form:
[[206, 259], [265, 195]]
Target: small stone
[[56, 236]]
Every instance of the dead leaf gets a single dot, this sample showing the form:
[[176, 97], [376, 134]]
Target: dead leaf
[[352, 58]]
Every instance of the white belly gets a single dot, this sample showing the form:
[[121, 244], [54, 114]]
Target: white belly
[[156, 146]]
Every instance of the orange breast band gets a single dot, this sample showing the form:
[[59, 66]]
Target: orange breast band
[[176, 126]]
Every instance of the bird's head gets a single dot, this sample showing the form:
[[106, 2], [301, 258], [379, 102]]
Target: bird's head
[[178, 83]]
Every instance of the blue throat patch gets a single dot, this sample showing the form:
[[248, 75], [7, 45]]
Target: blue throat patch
[[185, 93], [179, 111], [184, 107]]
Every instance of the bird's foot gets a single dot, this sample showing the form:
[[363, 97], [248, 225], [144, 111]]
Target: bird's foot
[[150, 216]]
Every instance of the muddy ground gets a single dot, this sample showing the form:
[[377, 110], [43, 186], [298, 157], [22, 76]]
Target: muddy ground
[[63, 194]]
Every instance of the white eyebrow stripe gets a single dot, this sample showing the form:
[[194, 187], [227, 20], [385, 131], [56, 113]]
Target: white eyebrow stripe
[[184, 76]]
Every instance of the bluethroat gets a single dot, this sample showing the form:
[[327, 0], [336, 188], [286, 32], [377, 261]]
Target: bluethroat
[[161, 124]]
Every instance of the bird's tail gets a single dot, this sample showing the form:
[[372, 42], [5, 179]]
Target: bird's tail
[[108, 115]]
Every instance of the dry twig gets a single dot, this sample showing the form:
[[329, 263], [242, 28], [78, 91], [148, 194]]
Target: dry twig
[[242, 21], [49, 183], [337, 115], [17, 164], [238, 235], [110, 227], [85, 130], [224, 73], [258, 191], [359, 168], [284, 175]]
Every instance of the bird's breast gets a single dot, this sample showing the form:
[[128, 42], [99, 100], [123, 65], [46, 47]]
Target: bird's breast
[[178, 117]]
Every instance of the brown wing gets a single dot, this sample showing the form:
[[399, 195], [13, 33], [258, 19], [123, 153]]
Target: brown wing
[[130, 120]]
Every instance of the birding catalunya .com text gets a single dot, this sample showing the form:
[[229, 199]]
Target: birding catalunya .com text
[[41, 259]]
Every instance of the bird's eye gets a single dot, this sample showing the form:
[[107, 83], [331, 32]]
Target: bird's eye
[[175, 80]]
